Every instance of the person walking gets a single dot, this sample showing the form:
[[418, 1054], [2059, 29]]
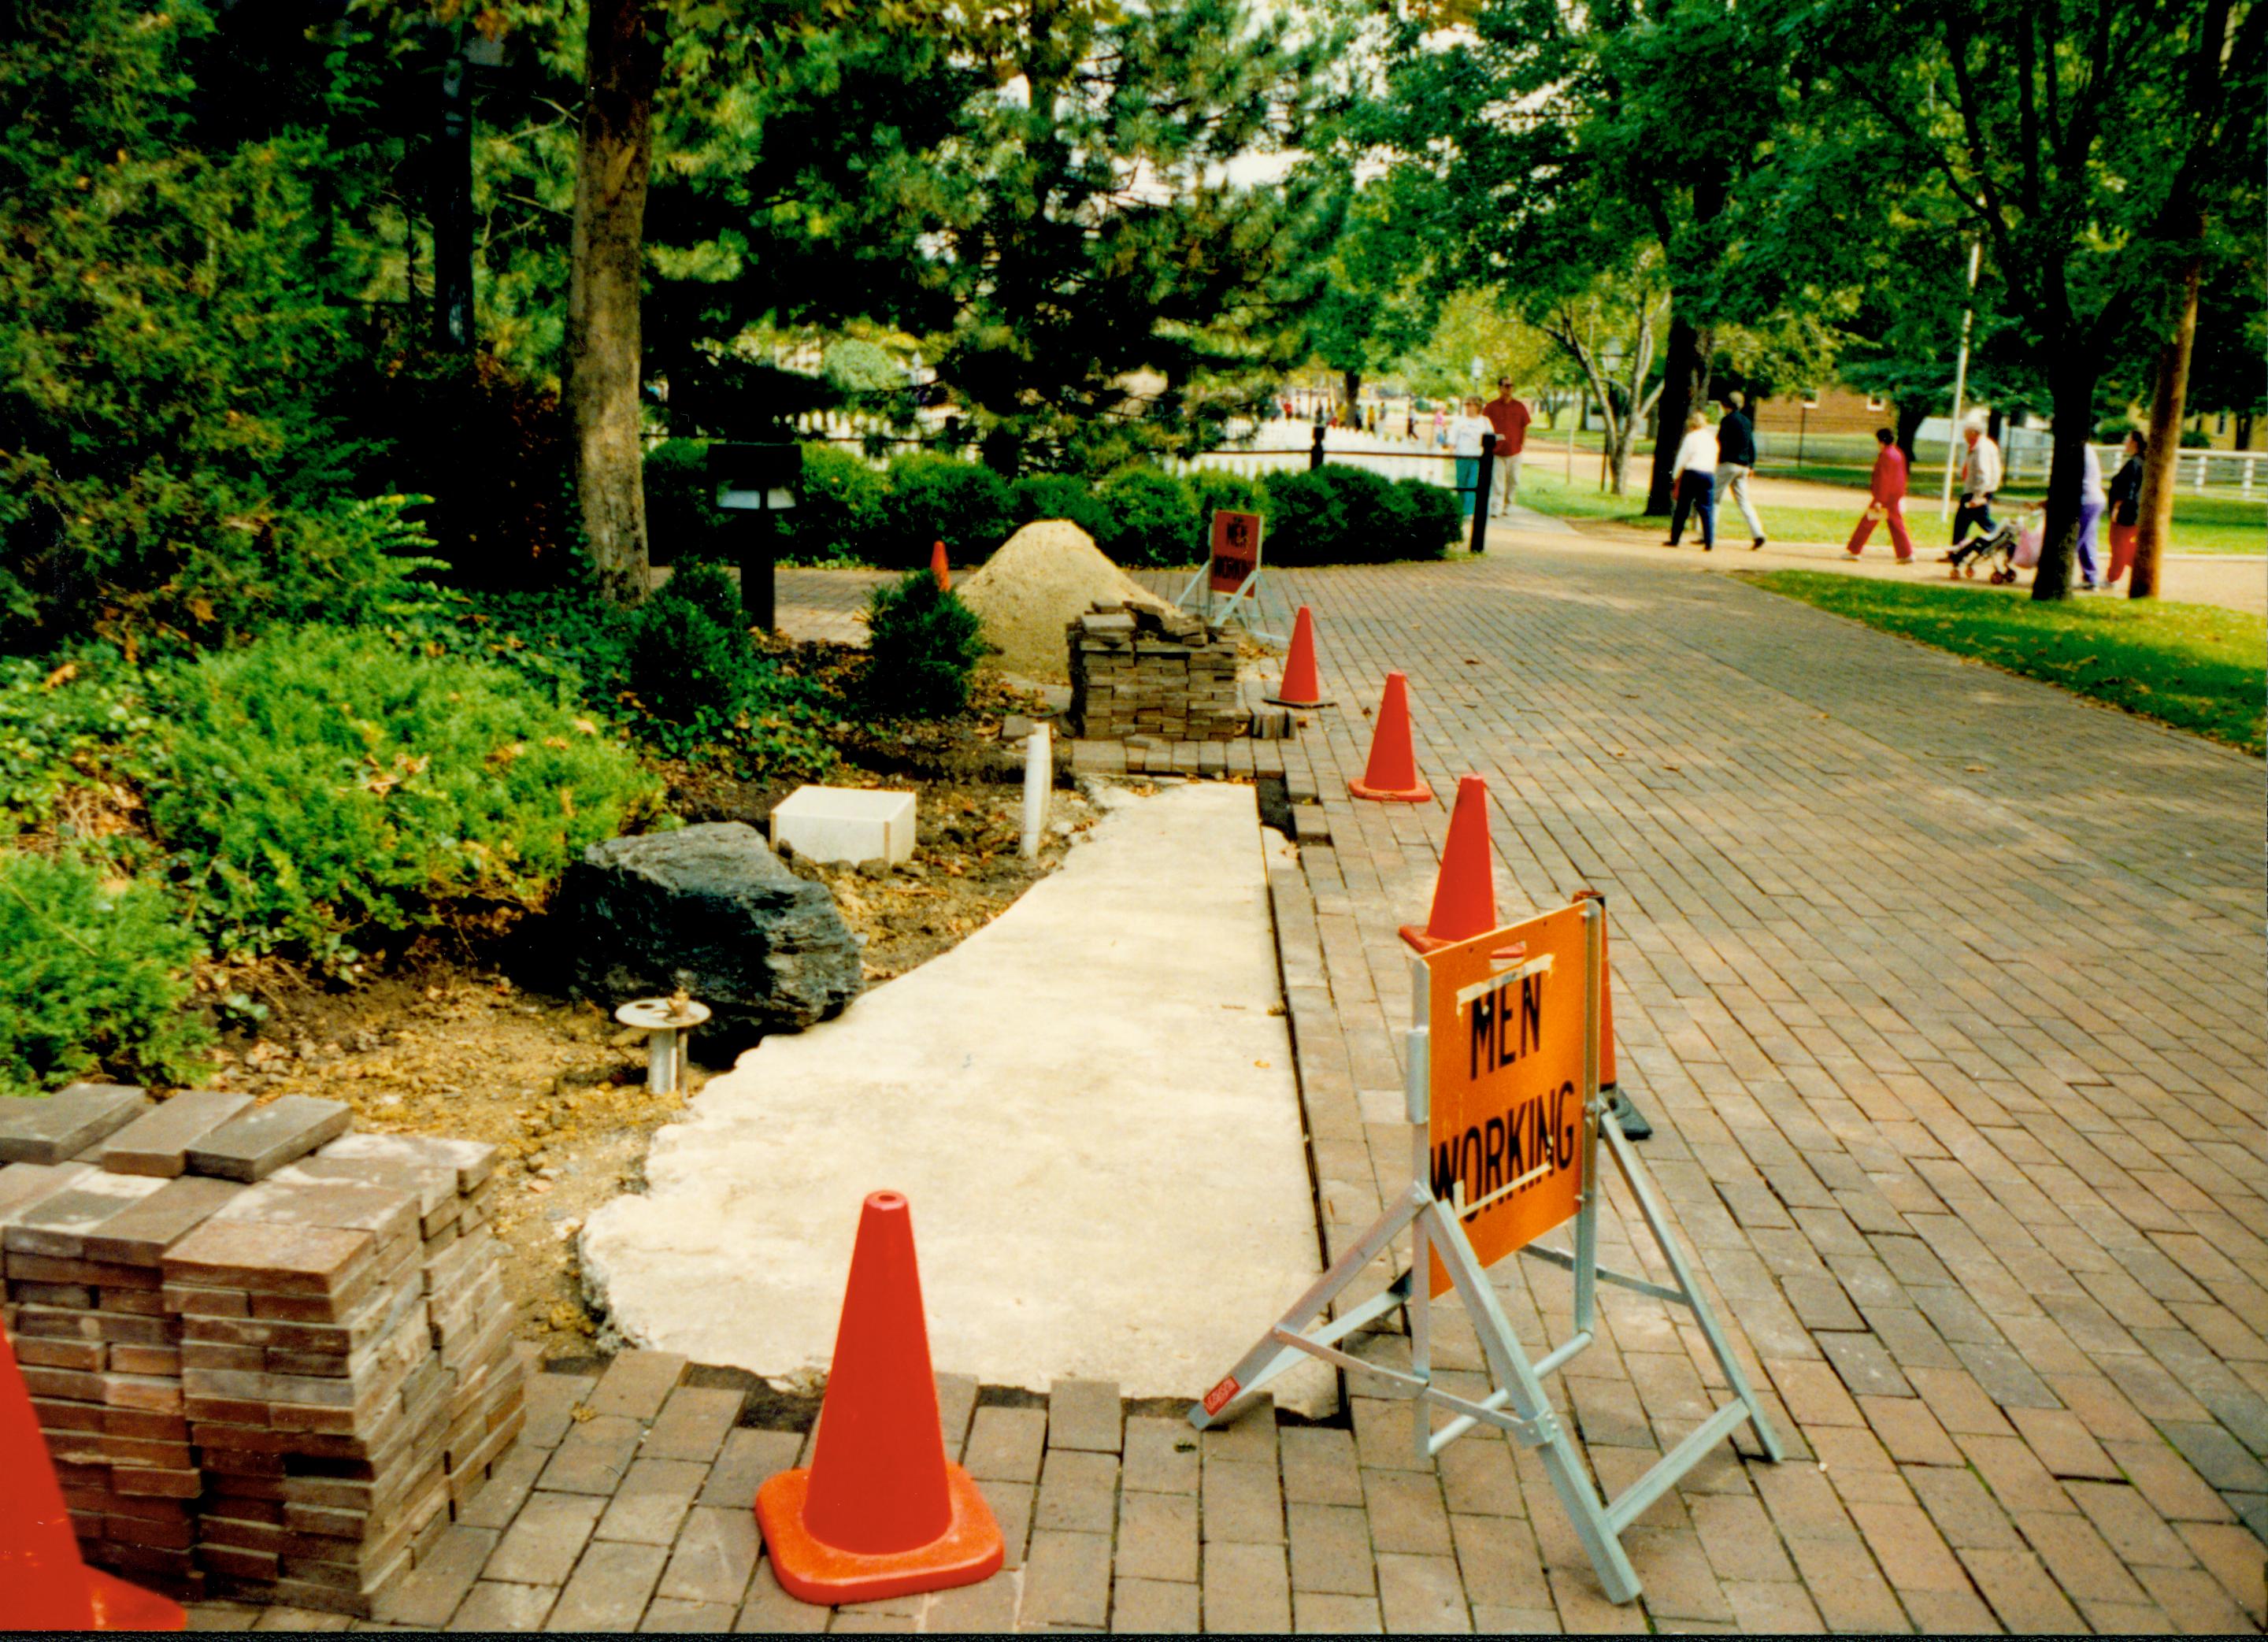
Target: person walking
[[1694, 478], [1510, 418], [2093, 503], [1980, 478], [1887, 487], [1466, 433], [2126, 507], [1737, 459]]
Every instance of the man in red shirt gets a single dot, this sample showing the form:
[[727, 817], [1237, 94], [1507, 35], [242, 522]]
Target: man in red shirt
[[1509, 419]]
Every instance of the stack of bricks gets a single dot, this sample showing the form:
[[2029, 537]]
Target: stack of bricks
[[1135, 671], [271, 1359]]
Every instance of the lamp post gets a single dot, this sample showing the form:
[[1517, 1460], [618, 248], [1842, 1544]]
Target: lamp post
[[756, 481], [1960, 380]]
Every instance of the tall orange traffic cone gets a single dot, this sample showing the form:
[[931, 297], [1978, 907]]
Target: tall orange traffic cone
[[1299, 687], [1464, 894], [1392, 775], [880, 1511], [43, 1584], [937, 568]]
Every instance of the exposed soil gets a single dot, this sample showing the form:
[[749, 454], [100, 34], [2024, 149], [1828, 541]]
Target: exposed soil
[[460, 1038]]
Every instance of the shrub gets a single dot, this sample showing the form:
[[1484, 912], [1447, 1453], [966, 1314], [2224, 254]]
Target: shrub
[[1212, 490], [1059, 496], [685, 665], [64, 720], [1419, 520], [683, 520], [1337, 515], [841, 510], [923, 645], [711, 589], [321, 783], [935, 498], [93, 977], [1151, 518]]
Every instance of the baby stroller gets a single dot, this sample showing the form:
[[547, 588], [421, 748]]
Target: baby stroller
[[2007, 550]]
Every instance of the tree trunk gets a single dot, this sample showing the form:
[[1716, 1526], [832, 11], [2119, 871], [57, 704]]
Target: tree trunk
[[2166, 404], [1353, 382], [1684, 384], [2073, 388], [1910, 417], [622, 67]]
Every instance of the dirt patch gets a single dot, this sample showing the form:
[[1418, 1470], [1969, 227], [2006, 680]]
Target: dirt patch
[[1045, 575], [473, 1043]]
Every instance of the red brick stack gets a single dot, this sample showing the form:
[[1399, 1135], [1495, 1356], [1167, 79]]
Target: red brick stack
[[278, 1385]]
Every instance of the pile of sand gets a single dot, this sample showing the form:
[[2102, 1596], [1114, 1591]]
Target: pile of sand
[[1047, 574]]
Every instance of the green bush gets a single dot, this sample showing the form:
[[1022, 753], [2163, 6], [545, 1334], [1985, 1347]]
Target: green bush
[[685, 665], [841, 509], [935, 498], [65, 720], [923, 645], [176, 458], [1419, 520], [1337, 515], [323, 785], [1059, 496], [683, 520], [1212, 490], [1151, 518], [93, 977], [712, 590]]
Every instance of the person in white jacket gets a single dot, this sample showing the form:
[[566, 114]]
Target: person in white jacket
[[1694, 479], [1980, 477], [1466, 434]]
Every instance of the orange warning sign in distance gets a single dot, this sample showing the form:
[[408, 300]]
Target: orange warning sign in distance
[[1507, 1135], [1235, 549]]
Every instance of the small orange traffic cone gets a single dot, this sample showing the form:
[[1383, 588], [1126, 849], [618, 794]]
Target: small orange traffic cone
[[880, 1511], [43, 1584], [1299, 687], [937, 568], [1392, 775], [1464, 894]]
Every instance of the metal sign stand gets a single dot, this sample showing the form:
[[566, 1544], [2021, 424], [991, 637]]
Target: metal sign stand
[[1520, 1405], [1207, 582]]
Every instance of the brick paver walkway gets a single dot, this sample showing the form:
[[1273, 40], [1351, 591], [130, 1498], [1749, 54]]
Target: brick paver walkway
[[1947, 993]]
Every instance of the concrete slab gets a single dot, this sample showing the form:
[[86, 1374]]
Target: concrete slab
[[846, 824], [1088, 1103]]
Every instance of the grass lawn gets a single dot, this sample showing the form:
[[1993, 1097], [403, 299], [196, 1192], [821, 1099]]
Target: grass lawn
[[2202, 524], [2195, 666]]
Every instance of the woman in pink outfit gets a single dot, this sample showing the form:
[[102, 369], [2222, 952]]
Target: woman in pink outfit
[[1889, 486]]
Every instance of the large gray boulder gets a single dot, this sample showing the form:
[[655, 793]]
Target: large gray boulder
[[709, 909]]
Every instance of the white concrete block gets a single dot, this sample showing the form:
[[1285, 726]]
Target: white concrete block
[[846, 824]]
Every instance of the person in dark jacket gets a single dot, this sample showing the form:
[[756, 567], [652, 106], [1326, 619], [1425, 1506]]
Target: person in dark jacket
[[1737, 458], [2126, 507]]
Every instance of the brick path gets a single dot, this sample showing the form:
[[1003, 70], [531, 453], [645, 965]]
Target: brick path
[[1946, 992]]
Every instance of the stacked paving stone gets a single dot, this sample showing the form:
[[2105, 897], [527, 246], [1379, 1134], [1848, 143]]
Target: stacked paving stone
[[272, 1358], [1135, 671]]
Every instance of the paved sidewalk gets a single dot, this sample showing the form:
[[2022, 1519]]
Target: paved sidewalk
[[1946, 991]]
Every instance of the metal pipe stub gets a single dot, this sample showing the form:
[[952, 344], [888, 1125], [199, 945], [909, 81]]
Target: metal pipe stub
[[668, 1023]]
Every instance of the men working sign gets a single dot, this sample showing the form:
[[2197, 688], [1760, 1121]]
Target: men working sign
[[1507, 1122], [1233, 569], [1507, 1126]]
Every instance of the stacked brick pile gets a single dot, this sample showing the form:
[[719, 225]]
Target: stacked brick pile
[[1135, 671], [271, 1359]]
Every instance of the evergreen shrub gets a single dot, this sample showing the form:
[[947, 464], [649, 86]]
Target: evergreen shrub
[[841, 510], [934, 498], [321, 785], [94, 975], [1151, 518], [922, 647], [1059, 496]]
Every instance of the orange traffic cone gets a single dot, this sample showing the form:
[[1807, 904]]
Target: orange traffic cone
[[43, 1584], [1464, 894], [880, 1511], [1299, 687], [937, 569], [1392, 775]]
